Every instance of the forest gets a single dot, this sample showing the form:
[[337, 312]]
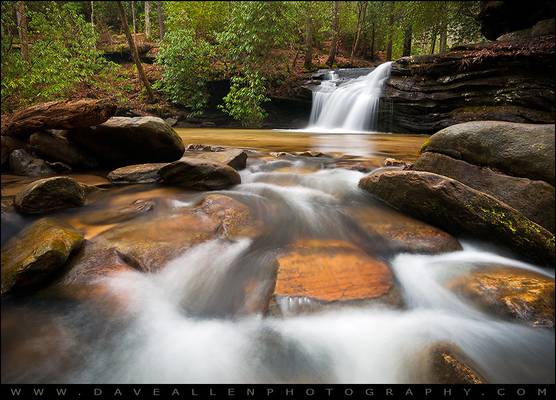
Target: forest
[[54, 50]]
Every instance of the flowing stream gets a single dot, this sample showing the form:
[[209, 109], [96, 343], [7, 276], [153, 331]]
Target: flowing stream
[[188, 323]]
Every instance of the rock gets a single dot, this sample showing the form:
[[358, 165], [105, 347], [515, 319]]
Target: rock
[[504, 81], [393, 162], [36, 254], [122, 141], [148, 244], [510, 293], [497, 17], [204, 147], [525, 150], [55, 146], [49, 194], [458, 208], [118, 215], [171, 121], [406, 234], [310, 153], [7, 146], [541, 28], [534, 199], [199, 174], [23, 163], [446, 364], [331, 271], [66, 114], [235, 158], [139, 173]]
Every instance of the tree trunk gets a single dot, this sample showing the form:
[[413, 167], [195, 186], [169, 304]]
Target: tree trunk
[[443, 37], [360, 22], [407, 40], [373, 41], [133, 19], [93, 13], [147, 19], [22, 29], [433, 41], [135, 54], [160, 13], [308, 43], [334, 44], [390, 32]]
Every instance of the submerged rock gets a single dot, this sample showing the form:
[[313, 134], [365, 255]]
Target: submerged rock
[[117, 215], [124, 141], [54, 145], [37, 253], [524, 150], [49, 194], [534, 199], [510, 293], [458, 208], [331, 271], [66, 114], [199, 174], [446, 364], [138, 173]]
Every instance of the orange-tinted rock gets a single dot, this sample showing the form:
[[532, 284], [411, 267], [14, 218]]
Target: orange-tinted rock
[[510, 293], [331, 270], [447, 364]]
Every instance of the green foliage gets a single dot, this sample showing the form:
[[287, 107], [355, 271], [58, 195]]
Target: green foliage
[[61, 56], [243, 102], [186, 63]]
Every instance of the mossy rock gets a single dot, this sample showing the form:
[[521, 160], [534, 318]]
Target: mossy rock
[[49, 194], [37, 253]]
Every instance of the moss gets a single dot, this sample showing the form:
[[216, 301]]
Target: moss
[[425, 145]]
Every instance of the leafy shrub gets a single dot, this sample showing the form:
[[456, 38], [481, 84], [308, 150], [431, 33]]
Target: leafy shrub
[[186, 63]]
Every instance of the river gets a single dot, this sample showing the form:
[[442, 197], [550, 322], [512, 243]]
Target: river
[[185, 324]]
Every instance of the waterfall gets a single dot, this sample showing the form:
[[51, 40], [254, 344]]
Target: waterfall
[[352, 106]]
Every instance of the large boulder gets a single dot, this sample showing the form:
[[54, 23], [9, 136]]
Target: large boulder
[[525, 150], [199, 174], [330, 271], [55, 146], [37, 253], [534, 199], [123, 141], [460, 209], [49, 194], [66, 114], [511, 293], [138, 173]]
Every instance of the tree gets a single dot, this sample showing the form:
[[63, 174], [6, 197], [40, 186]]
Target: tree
[[308, 43], [361, 11], [334, 43], [133, 18], [147, 19], [22, 29], [92, 13], [407, 40], [135, 54], [390, 32], [160, 13], [443, 36]]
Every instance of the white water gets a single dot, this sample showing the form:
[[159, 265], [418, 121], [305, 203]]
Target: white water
[[349, 107], [169, 341]]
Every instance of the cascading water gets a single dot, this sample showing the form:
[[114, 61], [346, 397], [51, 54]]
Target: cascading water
[[351, 106]]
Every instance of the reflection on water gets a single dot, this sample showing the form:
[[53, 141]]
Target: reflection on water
[[356, 145]]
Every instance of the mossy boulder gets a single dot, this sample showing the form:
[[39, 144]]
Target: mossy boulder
[[460, 209], [199, 174], [524, 150], [49, 194], [37, 253], [510, 293], [533, 198]]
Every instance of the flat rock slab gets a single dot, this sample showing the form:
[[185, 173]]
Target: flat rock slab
[[66, 114], [510, 293], [37, 253], [138, 173], [533, 198], [235, 158], [458, 208], [525, 150], [199, 174], [330, 271], [49, 194]]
